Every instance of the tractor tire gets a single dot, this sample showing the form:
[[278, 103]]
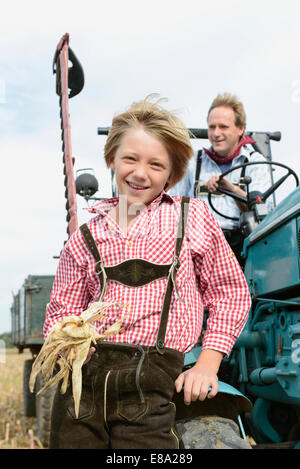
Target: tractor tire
[[28, 397], [210, 432], [43, 407]]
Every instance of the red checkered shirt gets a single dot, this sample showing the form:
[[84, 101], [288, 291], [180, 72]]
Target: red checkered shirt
[[209, 276]]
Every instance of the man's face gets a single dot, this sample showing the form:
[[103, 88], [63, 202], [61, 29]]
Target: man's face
[[223, 134]]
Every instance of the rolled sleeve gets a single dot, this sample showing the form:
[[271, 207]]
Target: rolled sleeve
[[222, 285]]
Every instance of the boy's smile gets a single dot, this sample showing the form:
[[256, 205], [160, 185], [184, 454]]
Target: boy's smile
[[136, 187], [142, 167]]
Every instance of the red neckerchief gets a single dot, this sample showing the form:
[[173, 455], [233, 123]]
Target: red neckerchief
[[245, 139]]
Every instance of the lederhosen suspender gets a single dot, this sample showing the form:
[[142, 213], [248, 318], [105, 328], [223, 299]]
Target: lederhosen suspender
[[197, 175], [138, 272], [160, 339]]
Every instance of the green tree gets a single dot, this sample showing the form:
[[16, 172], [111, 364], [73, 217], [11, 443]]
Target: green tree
[[6, 337]]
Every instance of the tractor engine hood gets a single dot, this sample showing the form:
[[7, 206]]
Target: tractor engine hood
[[272, 252]]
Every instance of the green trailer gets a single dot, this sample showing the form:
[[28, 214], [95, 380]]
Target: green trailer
[[28, 316], [28, 312]]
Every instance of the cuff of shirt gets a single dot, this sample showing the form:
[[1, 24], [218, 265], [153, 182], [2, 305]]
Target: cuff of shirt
[[48, 329], [51, 322], [220, 342]]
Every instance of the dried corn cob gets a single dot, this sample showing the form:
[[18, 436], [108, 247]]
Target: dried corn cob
[[68, 345]]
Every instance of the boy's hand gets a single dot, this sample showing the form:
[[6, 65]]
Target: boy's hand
[[63, 353], [197, 381], [202, 376], [90, 353]]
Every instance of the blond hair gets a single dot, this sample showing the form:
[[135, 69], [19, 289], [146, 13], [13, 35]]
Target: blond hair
[[161, 124], [230, 100]]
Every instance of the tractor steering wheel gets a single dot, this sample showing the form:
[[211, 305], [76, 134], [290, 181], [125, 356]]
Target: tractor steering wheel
[[263, 197]]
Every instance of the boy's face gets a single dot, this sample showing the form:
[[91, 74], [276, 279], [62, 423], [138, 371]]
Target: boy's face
[[142, 167]]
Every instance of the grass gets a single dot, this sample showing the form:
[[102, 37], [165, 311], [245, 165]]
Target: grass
[[16, 430]]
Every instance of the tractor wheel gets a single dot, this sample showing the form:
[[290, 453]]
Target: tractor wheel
[[28, 397], [211, 432], [44, 403]]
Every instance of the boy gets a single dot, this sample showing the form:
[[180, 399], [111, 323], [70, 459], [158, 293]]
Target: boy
[[160, 259]]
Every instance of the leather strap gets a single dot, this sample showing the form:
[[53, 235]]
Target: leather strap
[[198, 171], [90, 242], [160, 338], [137, 272], [99, 268]]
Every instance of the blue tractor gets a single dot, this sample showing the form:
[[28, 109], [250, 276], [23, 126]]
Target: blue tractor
[[265, 364]]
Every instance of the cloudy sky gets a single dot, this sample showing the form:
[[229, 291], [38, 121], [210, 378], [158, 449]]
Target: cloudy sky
[[185, 51]]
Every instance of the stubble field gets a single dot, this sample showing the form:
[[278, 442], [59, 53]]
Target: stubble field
[[16, 431]]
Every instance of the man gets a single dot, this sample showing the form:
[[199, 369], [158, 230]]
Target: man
[[229, 148]]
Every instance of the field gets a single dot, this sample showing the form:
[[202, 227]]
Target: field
[[16, 431]]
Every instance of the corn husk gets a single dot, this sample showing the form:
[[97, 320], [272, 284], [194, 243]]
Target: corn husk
[[67, 345]]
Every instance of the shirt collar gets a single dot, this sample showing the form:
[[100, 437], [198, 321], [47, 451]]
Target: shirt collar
[[244, 140], [244, 151], [105, 205], [163, 196]]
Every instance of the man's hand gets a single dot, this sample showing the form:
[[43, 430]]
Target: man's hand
[[214, 182], [202, 376]]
